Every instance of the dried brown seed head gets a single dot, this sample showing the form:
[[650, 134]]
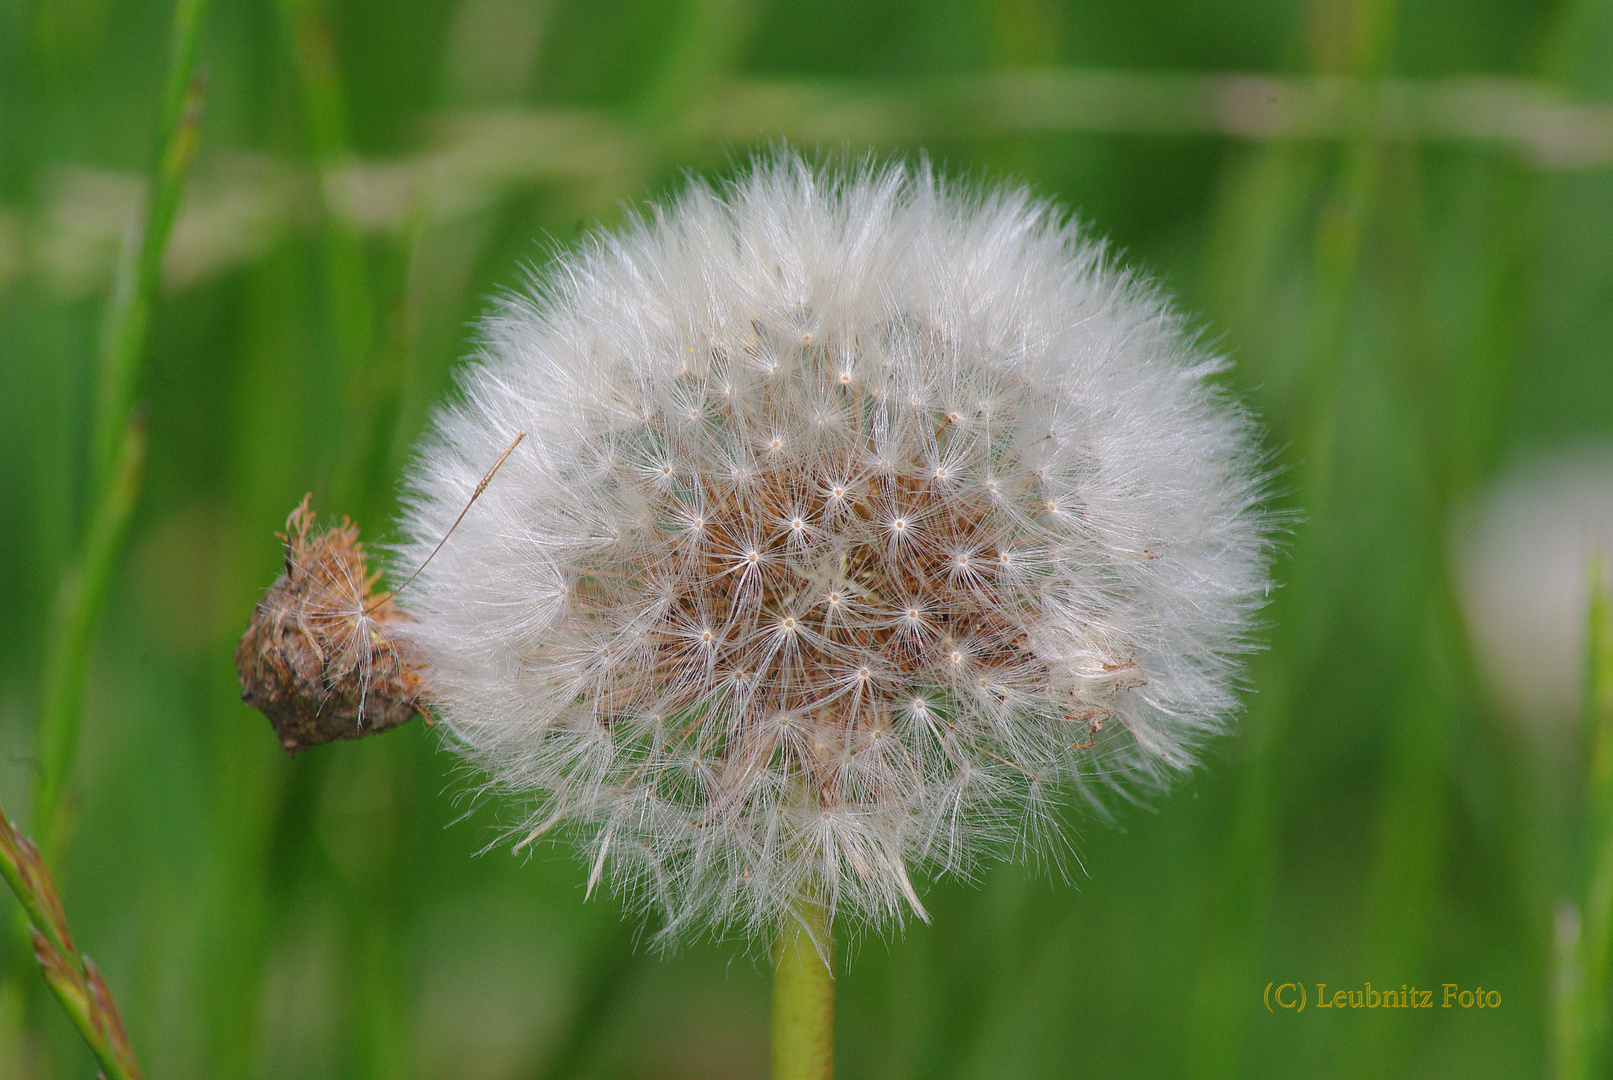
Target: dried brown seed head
[[320, 657]]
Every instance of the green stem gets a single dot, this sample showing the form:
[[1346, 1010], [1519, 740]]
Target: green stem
[[1239, 909], [71, 975], [351, 312], [117, 453], [612, 964], [79, 600], [1584, 965], [135, 290], [804, 998]]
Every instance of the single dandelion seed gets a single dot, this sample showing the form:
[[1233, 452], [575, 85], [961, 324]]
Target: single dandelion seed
[[320, 656]]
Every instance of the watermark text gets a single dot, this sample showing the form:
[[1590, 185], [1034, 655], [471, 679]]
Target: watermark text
[[1297, 997]]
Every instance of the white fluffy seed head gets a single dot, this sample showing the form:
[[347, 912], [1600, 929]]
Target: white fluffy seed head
[[859, 511]]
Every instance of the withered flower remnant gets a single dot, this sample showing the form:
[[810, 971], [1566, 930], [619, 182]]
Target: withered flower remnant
[[320, 657]]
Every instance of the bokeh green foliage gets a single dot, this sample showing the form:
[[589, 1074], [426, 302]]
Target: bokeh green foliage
[[1406, 315]]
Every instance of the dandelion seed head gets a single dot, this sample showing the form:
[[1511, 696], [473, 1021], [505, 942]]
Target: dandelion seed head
[[940, 512]]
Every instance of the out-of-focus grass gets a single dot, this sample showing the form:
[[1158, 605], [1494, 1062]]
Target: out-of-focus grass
[[117, 445], [1412, 294], [1585, 924]]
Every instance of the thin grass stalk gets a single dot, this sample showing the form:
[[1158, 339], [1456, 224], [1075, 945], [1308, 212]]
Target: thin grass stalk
[[1456, 404], [350, 308], [1248, 872], [1587, 955], [139, 274], [72, 976], [803, 998], [1598, 936], [80, 599], [1248, 869], [118, 447], [1443, 397], [707, 41], [612, 966]]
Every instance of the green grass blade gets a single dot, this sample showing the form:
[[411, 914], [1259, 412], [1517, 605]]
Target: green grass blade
[[140, 273], [82, 594], [118, 448], [75, 981], [1582, 1021]]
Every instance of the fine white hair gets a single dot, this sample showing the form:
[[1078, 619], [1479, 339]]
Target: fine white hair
[[862, 515]]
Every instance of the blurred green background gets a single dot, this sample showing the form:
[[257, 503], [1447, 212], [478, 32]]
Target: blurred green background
[[1397, 218]]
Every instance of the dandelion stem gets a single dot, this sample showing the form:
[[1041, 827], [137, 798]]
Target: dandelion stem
[[803, 998]]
